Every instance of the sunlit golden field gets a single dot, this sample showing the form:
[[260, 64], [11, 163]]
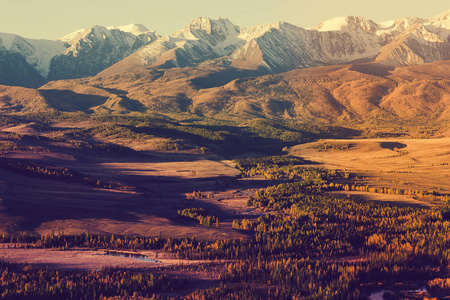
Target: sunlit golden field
[[417, 164]]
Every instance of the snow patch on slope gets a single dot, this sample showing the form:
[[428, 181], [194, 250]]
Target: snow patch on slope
[[72, 35]]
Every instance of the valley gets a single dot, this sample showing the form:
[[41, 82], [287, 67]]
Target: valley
[[139, 194], [135, 183], [72, 190]]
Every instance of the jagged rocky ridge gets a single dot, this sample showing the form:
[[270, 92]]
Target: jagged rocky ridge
[[95, 49], [282, 47]]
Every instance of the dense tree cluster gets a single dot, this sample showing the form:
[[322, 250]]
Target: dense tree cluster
[[427, 194], [29, 282], [281, 167], [332, 146], [247, 164], [199, 214]]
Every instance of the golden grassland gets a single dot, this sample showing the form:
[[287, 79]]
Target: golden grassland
[[396, 163]]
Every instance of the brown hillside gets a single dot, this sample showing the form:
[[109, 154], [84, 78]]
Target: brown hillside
[[435, 70], [328, 94], [16, 99]]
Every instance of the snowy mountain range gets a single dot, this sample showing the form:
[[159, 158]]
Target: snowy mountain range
[[274, 48], [281, 46], [80, 54]]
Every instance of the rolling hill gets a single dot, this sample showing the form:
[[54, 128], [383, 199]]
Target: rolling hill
[[330, 94]]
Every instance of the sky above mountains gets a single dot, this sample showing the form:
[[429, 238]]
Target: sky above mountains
[[51, 19]]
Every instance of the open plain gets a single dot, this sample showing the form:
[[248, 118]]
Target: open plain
[[139, 194]]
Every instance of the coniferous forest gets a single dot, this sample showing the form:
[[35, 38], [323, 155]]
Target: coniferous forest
[[311, 244]]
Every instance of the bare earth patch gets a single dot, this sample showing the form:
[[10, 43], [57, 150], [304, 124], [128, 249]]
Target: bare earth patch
[[88, 260]]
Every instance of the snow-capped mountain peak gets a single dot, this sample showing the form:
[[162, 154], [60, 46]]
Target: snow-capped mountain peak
[[93, 49], [346, 24], [404, 23], [37, 53], [387, 31], [101, 31], [258, 30], [87, 34], [199, 28], [335, 24], [440, 25], [419, 31], [72, 35], [443, 17], [135, 29]]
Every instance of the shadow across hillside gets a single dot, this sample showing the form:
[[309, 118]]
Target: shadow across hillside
[[33, 202], [392, 145], [375, 69], [221, 78], [69, 101]]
